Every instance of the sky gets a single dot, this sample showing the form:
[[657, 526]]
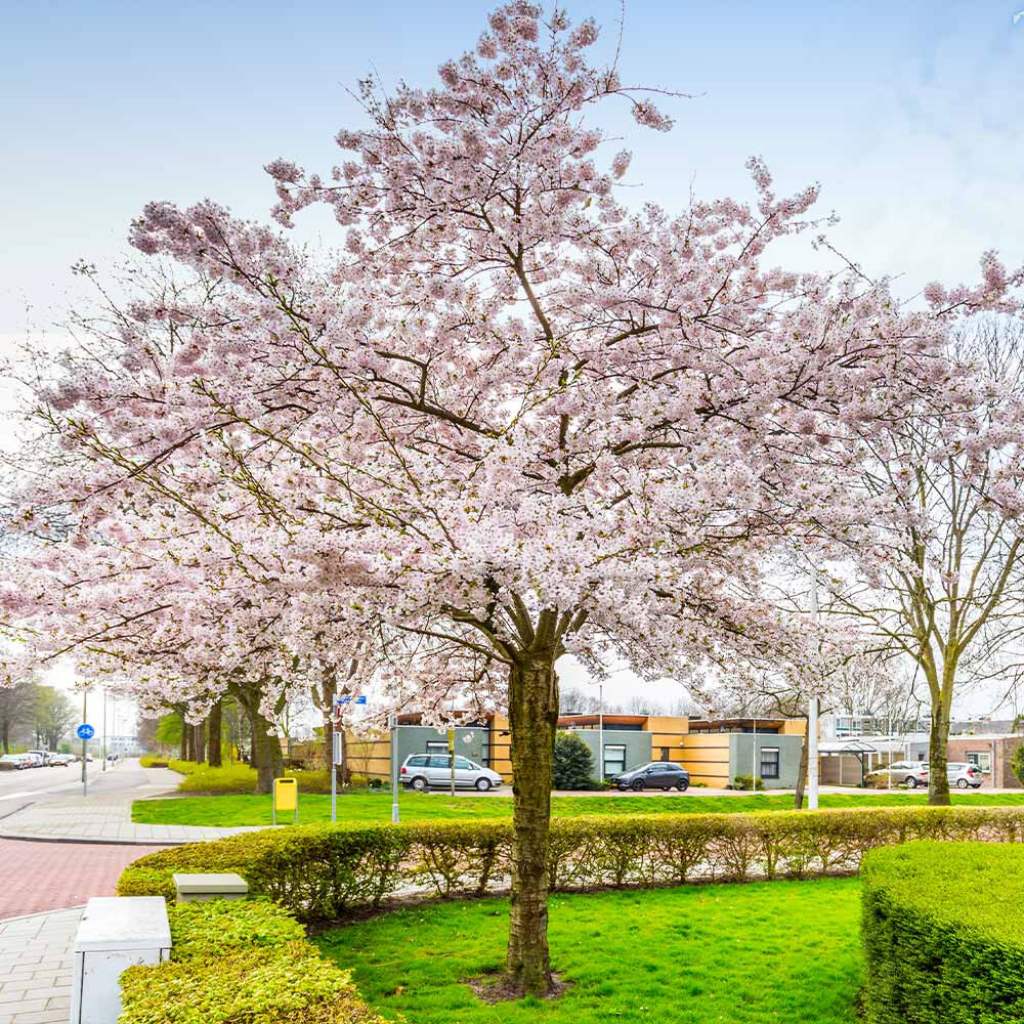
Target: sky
[[908, 113]]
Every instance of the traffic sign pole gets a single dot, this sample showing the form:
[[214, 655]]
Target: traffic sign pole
[[85, 743]]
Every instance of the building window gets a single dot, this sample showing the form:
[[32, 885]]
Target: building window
[[437, 747], [664, 754], [614, 759], [769, 762], [981, 759]]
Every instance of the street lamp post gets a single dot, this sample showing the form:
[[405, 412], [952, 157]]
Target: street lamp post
[[812, 714], [600, 731]]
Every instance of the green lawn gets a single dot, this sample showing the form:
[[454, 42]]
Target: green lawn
[[368, 808], [765, 953]]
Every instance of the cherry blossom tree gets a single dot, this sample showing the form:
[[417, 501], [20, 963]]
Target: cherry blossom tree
[[512, 418]]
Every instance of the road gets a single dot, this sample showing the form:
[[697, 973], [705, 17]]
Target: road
[[32, 784]]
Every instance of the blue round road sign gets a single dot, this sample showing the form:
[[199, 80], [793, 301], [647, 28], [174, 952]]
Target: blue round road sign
[[85, 732]]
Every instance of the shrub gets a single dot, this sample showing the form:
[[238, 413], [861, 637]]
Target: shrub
[[745, 782], [289, 984], [152, 761], [942, 934], [323, 873], [573, 764], [1017, 763], [210, 928], [240, 778]]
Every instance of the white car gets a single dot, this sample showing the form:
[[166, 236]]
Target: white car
[[902, 773], [424, 771]]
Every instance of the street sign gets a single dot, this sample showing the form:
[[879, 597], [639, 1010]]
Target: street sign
[[85, 732], [348, 699], [361, 699]]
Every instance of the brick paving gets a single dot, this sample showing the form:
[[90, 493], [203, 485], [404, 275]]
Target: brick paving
[[48, 876], [35, 967]]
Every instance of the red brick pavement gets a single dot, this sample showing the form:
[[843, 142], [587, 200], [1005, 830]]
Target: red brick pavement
[[49, 876]]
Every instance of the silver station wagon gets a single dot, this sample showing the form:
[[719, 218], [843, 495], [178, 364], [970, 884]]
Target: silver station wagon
[[425, 771]]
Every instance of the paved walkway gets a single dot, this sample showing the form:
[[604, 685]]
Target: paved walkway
[[49, 876], [36, 962], [105, 814]]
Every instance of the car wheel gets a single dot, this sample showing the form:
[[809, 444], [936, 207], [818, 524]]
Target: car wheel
[[962, 783], [622, 787], [683, 786], [419, 784], [483, 785], [637, 786], [911, 782]]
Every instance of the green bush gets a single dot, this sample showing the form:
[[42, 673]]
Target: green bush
[[745, 782], [574, 764], [240, 778], [943, 934], [321, 872], [153, 761], [211, 928], [1017, 763], [288, 984]]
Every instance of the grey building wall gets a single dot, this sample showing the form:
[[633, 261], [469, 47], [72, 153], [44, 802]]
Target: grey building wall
[[637, 744], [469, 742], [742, 754]]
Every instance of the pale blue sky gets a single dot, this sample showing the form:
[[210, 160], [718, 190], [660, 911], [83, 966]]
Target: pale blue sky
[[908, 112]]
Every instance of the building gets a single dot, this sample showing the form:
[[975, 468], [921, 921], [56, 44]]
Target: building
[[714, 751]]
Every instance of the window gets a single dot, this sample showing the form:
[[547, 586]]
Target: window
[[419, 761], [981, 759], [464, 762], [614, 759], [664, 753], [436, 761], [437, 747], [769, 762]]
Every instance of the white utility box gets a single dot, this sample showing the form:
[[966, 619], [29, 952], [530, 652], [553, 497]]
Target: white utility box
[[210, 887], [116, 932]]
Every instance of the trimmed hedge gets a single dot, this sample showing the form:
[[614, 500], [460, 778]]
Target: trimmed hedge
[[240, 962], [321, 872], [239, 778], [943, 934]]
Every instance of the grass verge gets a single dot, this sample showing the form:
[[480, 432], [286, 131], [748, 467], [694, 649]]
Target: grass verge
[[765, 953], [365, 808]]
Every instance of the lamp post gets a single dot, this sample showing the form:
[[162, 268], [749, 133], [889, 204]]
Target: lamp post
[[812, 714], [394, 767], [600, 731], [104, 766]]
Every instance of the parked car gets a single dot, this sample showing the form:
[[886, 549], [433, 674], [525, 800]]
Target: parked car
[[902, 773], [656, 775], [963, 775], [36, 758], [61, 760], [422, 771], [15, 762]]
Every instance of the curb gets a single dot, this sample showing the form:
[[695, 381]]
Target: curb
[[40, 913], [28, 837]]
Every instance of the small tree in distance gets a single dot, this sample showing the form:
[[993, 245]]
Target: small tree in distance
[[573, 766]]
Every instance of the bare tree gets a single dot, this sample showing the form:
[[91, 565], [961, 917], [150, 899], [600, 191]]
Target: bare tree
[[947, 589]]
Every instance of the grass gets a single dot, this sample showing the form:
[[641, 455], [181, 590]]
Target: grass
[[765, 953], [363, 808]]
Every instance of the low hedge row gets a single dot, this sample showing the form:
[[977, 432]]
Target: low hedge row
[[321, 872], [943, 934], [240, 962], [239, 778]]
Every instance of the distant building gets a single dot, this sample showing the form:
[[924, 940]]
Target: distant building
[[714, 751]]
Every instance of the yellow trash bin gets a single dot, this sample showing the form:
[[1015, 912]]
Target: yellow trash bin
[[286, 798]]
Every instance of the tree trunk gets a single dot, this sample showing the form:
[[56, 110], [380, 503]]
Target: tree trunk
[[533, 716], [5, 736], [214, 723], [801, 778], [188, 740], [183, 745], [199, 739], [938, 739], [267, 757]]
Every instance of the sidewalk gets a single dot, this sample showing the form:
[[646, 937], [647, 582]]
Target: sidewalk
[[105, 814], [36, 961]]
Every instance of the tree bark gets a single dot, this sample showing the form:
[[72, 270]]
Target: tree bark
[[214, 723], [199, 739], [938, 740], [267, 757], [801, 778], [533, 717]]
